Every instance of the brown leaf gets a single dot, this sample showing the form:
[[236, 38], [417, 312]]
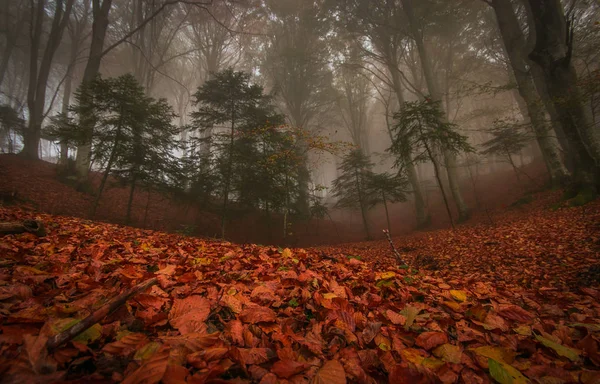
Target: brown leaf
[[514, 312], [257, 314], [188, 315], [288, 368], [430, 340], [331, 372], [151, 371]]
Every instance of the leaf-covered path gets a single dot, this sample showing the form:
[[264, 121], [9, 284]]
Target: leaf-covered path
[[515, 302]]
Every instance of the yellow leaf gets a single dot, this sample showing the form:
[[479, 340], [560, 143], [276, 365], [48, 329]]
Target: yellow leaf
[[146, 352], [459, 296], [329, 295], [286, 253], [561, 350], [202, 261], [449, 353], [496, 353], [523, 330], [385, 275], [505, 373]]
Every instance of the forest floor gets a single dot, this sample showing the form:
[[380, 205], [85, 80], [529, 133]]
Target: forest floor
[[514, 300]]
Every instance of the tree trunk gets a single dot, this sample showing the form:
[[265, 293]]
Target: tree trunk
[[100, 10], [432, 86], [423, 217], [130, 201], [514, 43], [387, 214], [38, 77], [362, 204], [552, 53], [111, 159]]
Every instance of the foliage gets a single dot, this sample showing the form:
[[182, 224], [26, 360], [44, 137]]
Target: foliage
[[387, 188], [509, 139], [421, 130], [10, 123], [352, 187]]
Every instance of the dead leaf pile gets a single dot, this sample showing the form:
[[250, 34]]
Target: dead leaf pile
[[251, 314]]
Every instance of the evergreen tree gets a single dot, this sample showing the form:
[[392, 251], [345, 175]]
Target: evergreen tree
[[231, 108], [422, 130], [352, 187], [133, 135], [387, 188], [508, 140]]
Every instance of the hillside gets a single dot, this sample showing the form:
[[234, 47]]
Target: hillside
[[515, 302]]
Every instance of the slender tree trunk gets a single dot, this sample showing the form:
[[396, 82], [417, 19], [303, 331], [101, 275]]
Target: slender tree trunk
[[109, 164], [423, 218], [436, 171], [436, 95], [146, 208], [100, 10], [362, 204], [130, 201], [38, 77], [387, 214], [229, 170]]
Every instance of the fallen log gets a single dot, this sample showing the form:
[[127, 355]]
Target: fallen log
[[16, 227], [101, 313]]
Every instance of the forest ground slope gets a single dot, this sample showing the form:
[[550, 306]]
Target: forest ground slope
[[516, 301]]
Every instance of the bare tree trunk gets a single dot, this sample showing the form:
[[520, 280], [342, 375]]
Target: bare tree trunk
[[361, 201], [514, 42], [420, 207], [38, 77], [100, 9], [552, 52], [450, 158]]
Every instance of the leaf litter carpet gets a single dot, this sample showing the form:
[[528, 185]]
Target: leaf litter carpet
[[516, 302]]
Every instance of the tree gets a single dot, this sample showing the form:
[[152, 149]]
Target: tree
[[133, 135], [296, 63], [417, 27], [515, 45], [422, 129], [10, 123], [387, 188], [378, 28], [352, 187], [508, 140], [229, 105], [40, 71], [553, 54]]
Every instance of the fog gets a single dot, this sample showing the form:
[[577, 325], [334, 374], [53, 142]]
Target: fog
[[282, 114]]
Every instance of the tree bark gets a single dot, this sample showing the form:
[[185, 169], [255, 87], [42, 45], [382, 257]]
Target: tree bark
[[514, 43], [552, 53], [100, 10], [436, 95], [38, 76], [423, 217]]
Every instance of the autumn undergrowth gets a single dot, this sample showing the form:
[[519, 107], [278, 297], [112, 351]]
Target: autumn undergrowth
[[513, 302]]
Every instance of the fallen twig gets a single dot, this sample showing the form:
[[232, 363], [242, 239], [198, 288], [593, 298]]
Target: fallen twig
[[98, 315], [394, 250]]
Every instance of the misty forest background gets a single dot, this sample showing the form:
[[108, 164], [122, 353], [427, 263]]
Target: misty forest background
[[295, 121]]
